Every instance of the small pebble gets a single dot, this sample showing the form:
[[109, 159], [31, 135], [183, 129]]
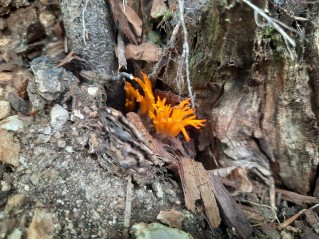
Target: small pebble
[[61, 143], [4, 109], [12, 123], [93, 90], [59, 116], [57, 135], [42, 139]]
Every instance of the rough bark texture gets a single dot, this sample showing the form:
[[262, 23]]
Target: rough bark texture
[[261, 106], [263, 113], [97, 27]]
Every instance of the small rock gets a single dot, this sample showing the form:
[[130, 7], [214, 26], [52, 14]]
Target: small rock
[[38, 150], [34, 179], [19, 104], [5, 78], [16, 202], [42, 225], [16, 234], [69, 149], [59, 116], [9, 148], [57, 135], [46, 18], [61, 143], [47, 130], [4, 109], [12, 123], [42, 139], [77, 113], [1, 91], [93, 90], [86, 110]]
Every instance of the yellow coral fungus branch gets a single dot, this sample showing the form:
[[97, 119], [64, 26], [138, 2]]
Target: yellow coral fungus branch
[[171, 121], [146, 101], [167, 120]]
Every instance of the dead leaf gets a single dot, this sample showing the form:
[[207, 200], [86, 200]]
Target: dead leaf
[[158, 8], [172, 218], [133, 18], [122, 20], [197, 186], [145, 52]]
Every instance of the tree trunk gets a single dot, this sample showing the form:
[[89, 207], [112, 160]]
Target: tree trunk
[[262, 106], [90, 32]]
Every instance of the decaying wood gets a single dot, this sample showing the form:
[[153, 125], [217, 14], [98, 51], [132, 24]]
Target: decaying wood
[[312, 219], [231, 213], [197, 186], [296, 198]]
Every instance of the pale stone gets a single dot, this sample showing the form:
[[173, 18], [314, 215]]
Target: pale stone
[[42, 225], [5, 77], [12, 123], [93, 90], [9, 148], [4, 109], [59, 116]]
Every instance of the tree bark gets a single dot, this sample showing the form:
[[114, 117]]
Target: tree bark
[[262, 106], [90, 32]]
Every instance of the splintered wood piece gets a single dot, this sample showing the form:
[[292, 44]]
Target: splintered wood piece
[[120, 51], [189, 183], [291, 219], [296, 198], [231, 212], [122, 20], [145, 52], [133, 18], [312, 219], [197, 186]]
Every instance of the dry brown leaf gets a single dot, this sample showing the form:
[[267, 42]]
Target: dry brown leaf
[[172, 218], [133, 18], [158, 8], [146, 52], [122, 20], [197, 186]]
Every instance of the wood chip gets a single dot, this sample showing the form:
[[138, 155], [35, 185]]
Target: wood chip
[[313, 220], [172, 217], [196, 186], [297, 198], [146, 52]]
